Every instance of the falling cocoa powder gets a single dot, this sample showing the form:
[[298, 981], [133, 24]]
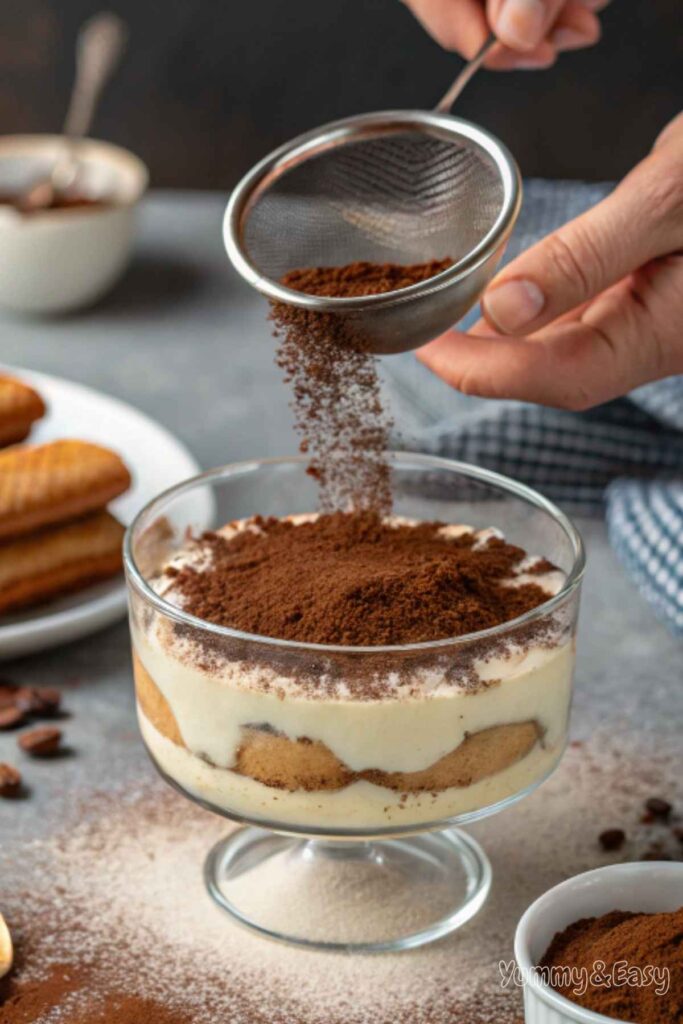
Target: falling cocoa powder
[[594, 946], [335, 385], [355, 579]]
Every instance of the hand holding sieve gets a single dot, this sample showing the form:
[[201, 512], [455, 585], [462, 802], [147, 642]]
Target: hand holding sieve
[[396, 186]]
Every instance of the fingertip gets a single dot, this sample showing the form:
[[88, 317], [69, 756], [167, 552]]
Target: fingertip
[[520, 24], [568, 39], [433, 349], [576, 28], [445, 357], [505, 59], [422, 355], [461, 30]]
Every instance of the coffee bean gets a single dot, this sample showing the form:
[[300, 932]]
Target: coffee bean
[[658, 807], [10, 780], [26, 698], [656, 855], [8, 694], [678, 832], [43, 702], [11, 717], [41, 742], [50, 699], [612, 839]]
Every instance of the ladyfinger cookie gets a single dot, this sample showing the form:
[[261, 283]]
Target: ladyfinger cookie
[[20, 407], [55, 482], [59, 559]]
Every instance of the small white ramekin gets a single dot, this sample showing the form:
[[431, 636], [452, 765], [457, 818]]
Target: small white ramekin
[[648, 887], [53, 261]]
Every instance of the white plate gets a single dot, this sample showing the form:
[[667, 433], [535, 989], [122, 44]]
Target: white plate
[[156, 460]]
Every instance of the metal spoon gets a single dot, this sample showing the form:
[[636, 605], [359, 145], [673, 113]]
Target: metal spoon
[[100, 44], [444, 105]]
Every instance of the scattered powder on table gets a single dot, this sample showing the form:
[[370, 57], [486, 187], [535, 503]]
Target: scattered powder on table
[[336, 391], [70, 993], [355, 579], [111, 918]]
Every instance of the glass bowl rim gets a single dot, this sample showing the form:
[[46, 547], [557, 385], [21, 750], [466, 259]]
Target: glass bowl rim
[[136, 580]]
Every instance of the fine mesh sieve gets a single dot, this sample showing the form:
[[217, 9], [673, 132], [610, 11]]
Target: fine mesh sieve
[[394, 186]]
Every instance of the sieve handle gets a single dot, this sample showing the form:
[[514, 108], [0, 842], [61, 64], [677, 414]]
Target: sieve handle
[[470, 69]]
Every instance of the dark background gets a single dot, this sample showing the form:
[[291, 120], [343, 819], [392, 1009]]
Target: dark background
[[209, 86]]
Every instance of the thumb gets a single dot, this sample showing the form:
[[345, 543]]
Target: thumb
[[628, 336], [640, 221]]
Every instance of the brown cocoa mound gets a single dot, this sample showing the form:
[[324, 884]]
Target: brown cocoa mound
[[592, 947], [355, 579], [336, 397]]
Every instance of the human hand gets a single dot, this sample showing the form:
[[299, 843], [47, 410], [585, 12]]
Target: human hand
[[531, 32], [594, 310]]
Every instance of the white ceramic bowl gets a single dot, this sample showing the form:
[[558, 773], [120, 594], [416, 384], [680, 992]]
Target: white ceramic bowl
[[58, 260], [646, 887]]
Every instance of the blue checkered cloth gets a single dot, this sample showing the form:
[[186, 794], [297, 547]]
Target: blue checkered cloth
[[623, 460]]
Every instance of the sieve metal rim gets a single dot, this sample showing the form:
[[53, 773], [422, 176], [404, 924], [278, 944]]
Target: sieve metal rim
[[326, 137]]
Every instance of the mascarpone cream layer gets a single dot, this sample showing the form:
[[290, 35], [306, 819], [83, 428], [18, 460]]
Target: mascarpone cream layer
[[361, 805], [396, 734]]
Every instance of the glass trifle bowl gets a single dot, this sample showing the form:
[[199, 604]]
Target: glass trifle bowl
[[349, 768]]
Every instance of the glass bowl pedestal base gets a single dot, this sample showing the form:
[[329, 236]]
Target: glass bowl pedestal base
[[361, 896]]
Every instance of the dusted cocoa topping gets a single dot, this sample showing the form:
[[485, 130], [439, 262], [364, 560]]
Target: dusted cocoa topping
[[354, 579], [596, 947], [540, 567], [336, 392]]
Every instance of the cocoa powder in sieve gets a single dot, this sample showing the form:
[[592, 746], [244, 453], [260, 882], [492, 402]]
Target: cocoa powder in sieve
[[335, 385]]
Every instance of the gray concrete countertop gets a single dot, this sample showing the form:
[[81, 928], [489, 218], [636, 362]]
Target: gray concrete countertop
[[184, 340]]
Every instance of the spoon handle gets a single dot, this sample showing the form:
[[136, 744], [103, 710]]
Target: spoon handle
[[100, 44], [444, 105]]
